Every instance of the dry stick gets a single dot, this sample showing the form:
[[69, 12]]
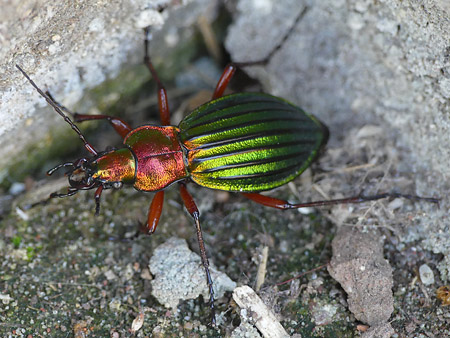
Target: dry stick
[[262, 268], [263, 317]]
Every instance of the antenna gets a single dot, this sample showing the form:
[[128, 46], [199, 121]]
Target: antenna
[[52, 103]]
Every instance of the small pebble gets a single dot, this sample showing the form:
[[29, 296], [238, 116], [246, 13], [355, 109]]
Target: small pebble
[[426, 274], [17, 188]]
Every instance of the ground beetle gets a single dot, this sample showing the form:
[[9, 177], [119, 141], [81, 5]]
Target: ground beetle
[[246, 142]]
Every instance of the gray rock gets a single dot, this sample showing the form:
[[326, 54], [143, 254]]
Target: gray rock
[[179, 275]]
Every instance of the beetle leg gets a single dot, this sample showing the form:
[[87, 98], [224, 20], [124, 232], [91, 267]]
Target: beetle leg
[[97, 195], [282, 204], [154, 213], [230, 69], [70, 192], [163, 103], [121, 127], [193, 211], [227, 74]]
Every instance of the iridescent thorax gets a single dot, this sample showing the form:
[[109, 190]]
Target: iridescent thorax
[[159, 156], [115, 166]]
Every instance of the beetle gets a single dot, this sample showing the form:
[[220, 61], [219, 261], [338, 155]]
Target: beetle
[[244, 142]]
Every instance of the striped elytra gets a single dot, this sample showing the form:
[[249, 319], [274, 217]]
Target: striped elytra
[[249, 142]]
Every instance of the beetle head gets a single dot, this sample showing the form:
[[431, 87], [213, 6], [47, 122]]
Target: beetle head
[[80, 174], [109, 169], [84, 174]]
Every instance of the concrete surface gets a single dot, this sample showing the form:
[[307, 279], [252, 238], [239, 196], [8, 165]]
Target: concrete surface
[[376, 72]]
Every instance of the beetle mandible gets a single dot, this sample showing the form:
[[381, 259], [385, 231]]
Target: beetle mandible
[[245, 142]]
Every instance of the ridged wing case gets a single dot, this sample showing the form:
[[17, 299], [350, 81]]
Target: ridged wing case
[[249, 142]]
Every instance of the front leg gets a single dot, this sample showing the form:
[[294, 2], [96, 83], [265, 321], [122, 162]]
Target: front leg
[[122, 128], [154, 213]]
